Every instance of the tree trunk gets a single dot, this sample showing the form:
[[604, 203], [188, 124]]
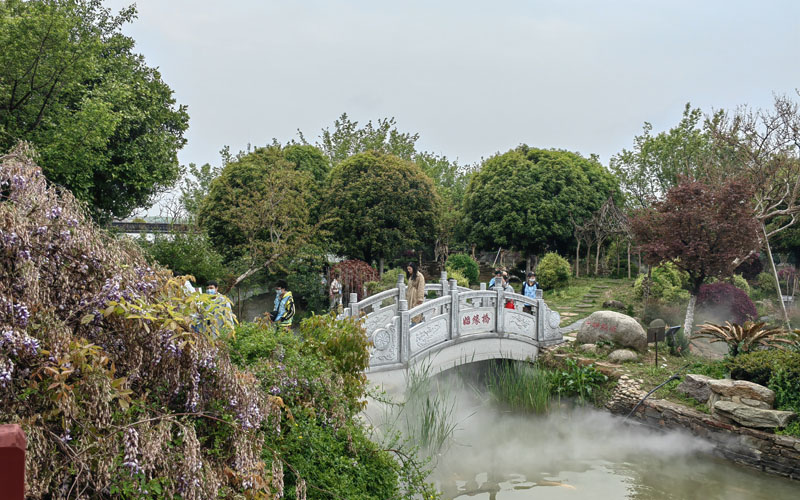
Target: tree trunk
[[629, 259], [775, 275], [640, 261], [588, 259], [380, 268], [578, 260], [616, 248], [597, 259], [688, 323]]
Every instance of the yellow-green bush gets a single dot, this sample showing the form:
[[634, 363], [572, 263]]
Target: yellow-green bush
[[667, 284], [553, 271]]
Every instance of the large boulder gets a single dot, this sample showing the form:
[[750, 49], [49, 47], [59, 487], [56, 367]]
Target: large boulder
[[753, 417], [735, 390], [696, 386], [615, 327], [623, 355]]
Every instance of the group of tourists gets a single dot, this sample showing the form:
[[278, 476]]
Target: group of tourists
[[284, 308]]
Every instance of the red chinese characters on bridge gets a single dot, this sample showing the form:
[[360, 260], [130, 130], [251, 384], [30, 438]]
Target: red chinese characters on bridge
[[476, 320]]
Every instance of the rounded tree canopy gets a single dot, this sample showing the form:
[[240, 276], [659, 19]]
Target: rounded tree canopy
[[524, 198], [380, 204], [257, 204]]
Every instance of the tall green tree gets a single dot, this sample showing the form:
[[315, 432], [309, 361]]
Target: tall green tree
[[104, 123], [524, 198], [655, 163], [258, 210], [380, 204]]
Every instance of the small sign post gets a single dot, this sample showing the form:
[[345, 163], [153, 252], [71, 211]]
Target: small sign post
[[656, 334]]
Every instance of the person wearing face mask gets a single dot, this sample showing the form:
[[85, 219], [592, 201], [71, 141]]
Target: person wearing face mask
[[529, 289], [220, 311], [284, 305]]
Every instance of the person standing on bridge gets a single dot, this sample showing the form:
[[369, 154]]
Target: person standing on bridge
[[415, 292], [529, 290]]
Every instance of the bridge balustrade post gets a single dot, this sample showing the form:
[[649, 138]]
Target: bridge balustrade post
[[353, 305], [455, 311], [401, 289], [500, 308], [483, 301], [405, 338], [445, 290]]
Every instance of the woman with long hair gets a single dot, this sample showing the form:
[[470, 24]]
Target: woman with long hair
[[415, 292]]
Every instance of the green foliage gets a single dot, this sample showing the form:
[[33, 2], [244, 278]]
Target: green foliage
[[766, 282], [304, 277], [553, 271], [656, 162], [320, 377], [785, 382], [387, 281], [461, 280], [465, 265], [344, 345], [258, 210], [347, 139], [576, 380], [380, 204], [667, 284], [186, 254], [520, 386], [104, 123], [525, 199], [195, 186], [739, 282], [760, 366]]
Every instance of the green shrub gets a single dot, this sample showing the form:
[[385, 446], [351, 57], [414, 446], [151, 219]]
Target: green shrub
[[667, 284], [460, 278], [760, 366], [581, 381], [464, 264], [553, 271], [186, 254], [389, 280], [736, 280], [739, 282], [786, 385], [766, 282]]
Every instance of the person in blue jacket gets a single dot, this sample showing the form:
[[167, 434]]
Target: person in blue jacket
[[529, 289]]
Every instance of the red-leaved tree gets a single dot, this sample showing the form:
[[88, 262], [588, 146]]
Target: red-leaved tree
[[702, 229]]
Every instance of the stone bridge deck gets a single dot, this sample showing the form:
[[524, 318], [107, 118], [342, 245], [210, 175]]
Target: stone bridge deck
[[459, 326]]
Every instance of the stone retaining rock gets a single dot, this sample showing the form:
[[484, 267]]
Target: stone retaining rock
[[615, 327], [753, 417], [728, 388], [696, 386], [623, 355], [587, 347]]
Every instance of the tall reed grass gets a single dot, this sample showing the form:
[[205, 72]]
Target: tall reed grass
[[520, 386]]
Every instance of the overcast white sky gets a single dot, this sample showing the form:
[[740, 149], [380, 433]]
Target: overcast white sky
[[471, 77]]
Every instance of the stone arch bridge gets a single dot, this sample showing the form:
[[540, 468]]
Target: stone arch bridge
[[457, 327]]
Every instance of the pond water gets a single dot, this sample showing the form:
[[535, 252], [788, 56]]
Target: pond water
[[582, 453], [576, 452]]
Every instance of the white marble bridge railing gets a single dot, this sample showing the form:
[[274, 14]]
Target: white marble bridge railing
[[456, 315]]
